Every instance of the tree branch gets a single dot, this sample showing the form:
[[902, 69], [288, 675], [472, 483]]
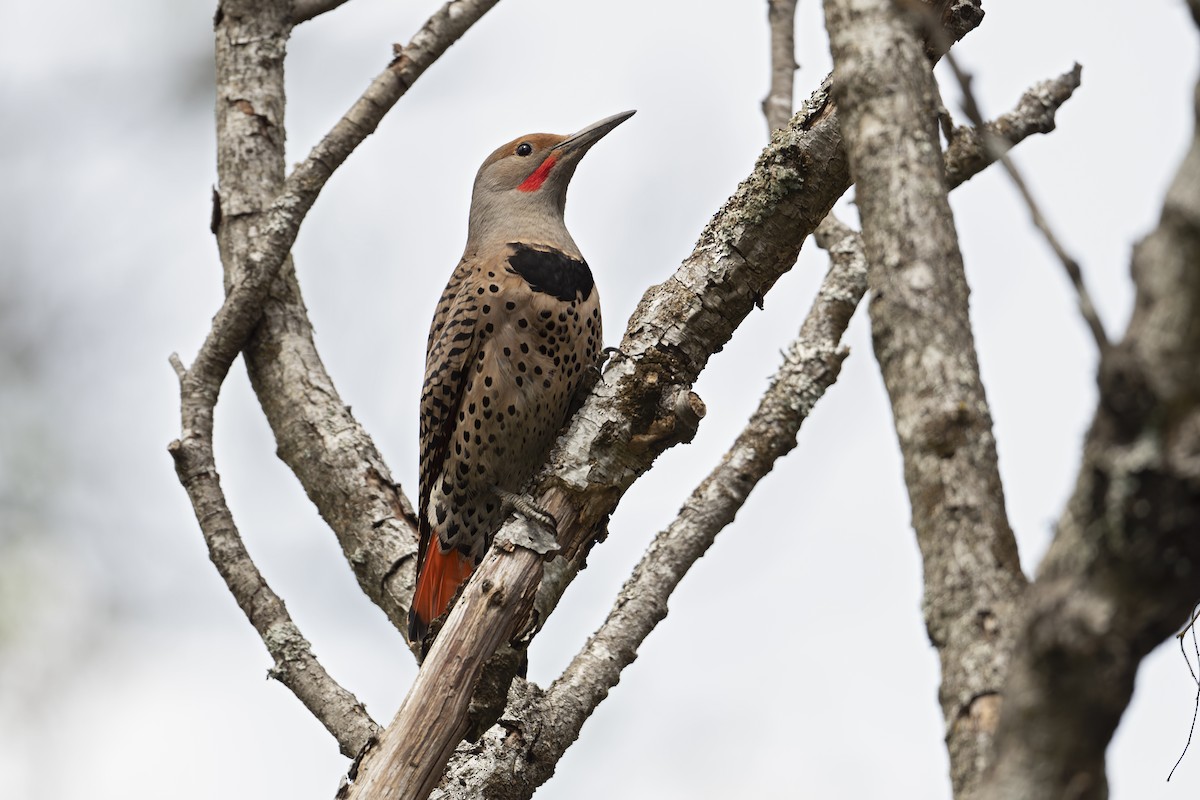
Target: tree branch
[[777, 105], [1034, 113], [319, 439], [296, 667], [250, 46], [923, 341], [1087, 308], [304, 10], [538, 727], [1124, 567]]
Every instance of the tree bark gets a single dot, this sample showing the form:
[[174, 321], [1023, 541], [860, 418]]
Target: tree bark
[[922, 337]]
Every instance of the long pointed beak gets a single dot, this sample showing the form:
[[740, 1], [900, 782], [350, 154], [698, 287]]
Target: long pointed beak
[[580, 141]]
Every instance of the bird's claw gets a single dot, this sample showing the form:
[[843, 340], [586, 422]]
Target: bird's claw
[[608, 356], [528, 509]]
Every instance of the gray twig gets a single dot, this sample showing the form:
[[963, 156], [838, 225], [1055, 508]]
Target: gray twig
[[296, 667], [997, 144], [777, 105]]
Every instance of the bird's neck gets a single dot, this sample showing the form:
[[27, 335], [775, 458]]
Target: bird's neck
[[529, 221]]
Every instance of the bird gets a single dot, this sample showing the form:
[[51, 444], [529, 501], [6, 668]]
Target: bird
[[512, 338]]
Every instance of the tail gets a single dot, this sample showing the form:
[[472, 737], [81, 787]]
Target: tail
[[441, 575]]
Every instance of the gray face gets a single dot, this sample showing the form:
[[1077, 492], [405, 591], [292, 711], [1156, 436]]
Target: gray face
[[521, 189]]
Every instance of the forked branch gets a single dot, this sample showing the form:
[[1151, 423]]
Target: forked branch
[[256, 234]]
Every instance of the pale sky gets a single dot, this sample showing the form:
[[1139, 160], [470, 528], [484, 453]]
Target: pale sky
[[794, 662]]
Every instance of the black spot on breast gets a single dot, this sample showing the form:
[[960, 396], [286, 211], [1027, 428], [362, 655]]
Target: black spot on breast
[[551, 271]]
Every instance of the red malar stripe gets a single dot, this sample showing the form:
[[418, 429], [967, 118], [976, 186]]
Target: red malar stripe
[[535, 181]]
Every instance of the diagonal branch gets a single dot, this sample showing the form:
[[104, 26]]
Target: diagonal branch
[[923, 341], [1034, 113], [811, 365], [295, 665], [1086, 307]]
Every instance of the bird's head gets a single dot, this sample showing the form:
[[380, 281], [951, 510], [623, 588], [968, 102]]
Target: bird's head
[[521, 189]]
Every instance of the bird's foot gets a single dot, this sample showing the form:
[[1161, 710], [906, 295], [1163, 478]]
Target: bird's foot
[[608, 356], [611, 355], [528, 509]]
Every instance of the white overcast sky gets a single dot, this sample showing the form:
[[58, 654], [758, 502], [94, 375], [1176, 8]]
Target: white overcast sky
[[794, 662]]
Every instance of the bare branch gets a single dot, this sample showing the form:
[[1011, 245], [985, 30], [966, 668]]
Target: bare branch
[[1034, 113], [434, 716], [296, 667], [319, 439], [1086, 307], [777, 105], [923, 341], [1124, 567], [304, 10], [1189, 626], [250, 46]]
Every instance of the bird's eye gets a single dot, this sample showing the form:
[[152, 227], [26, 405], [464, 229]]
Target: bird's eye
[[524, 149]]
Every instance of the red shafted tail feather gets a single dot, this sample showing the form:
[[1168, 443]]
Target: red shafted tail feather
[[441, 575]]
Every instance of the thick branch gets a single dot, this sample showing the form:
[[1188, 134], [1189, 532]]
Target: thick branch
[[485, 613], [777, 105], [923, 341], [811, 365], [1124, 568]]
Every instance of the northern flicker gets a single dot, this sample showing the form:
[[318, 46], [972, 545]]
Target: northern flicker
[[513, 333]]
